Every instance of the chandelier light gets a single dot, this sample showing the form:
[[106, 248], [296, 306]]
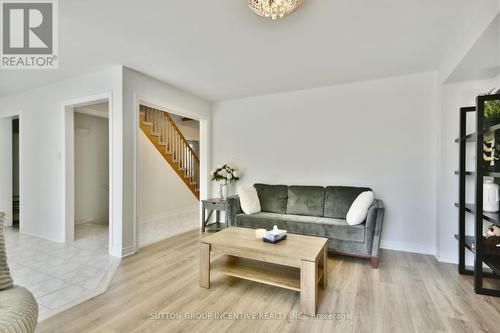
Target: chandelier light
[[274, 9]]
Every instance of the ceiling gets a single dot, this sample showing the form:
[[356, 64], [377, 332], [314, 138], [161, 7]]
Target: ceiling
[[220, 50], [483, 59]]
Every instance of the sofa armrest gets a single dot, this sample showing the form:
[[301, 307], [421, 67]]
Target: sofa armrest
[[374, 221], [233, 208]]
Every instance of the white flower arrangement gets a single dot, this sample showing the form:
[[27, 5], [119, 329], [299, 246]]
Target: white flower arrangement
[[226, 173]]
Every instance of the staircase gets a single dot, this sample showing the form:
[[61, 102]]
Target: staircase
[[169, 141]]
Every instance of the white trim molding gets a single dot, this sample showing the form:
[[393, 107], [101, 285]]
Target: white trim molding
[[408, 247]]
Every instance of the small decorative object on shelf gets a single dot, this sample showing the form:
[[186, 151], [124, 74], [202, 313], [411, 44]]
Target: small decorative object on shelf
[[492, 230], [274, 236], [491, 110], [490, 195], [491, 151], [492, 245], [225, 174]]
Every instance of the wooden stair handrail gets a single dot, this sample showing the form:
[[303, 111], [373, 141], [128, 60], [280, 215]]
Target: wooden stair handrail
[[182, 136], [177, 129], [166, 136]]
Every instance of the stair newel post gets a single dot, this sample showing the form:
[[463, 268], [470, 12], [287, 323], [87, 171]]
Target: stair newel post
[[165, 129], [157, 120], [169, 144], [182, 154], [182, 151], [176, 146], [154, 121], [179, 149], [171, 138], [167, 135], [162, 127]]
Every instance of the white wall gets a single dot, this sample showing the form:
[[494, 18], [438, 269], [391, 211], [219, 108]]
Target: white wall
[[91, 169], [455, 96], [379, 134], [466, 36], [42, 148], [137, 88], [162, 192]]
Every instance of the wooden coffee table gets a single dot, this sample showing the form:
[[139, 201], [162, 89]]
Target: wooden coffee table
[[298, 263]]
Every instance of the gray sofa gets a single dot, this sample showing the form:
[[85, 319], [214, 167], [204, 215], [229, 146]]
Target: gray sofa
[[315, 211], [18, 307]]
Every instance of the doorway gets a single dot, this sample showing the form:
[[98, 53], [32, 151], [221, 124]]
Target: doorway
[[10, 170], [168, 178], [16, 207], [91, 170], [91, 114]]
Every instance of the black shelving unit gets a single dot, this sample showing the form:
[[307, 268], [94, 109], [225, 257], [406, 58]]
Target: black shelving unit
[[474, 243]]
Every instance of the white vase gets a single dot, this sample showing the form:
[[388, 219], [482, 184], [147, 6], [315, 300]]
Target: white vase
[[490, 196], [223, 191]]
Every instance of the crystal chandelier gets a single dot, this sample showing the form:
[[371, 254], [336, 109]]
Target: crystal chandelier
[[274, 9]]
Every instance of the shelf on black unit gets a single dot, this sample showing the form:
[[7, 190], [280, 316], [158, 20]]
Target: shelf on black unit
[[490, 217], [467, 173], [492, 127], [491, 174], [469, 241], [468, 138], [491, 261]]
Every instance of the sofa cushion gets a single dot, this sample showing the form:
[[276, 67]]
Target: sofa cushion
[[305, 225], [272, 198], [5, 278], [359, 208], [338, 200], [249, 200], [306, 200]]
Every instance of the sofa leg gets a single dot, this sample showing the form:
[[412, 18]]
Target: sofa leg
[[374, 262]]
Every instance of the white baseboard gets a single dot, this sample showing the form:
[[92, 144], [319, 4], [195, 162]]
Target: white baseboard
[[169, 215], [127, 251], [171, 235], [408, 247]]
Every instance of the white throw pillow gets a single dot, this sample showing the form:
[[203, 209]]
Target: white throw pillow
[[359, 208], [249, 200]]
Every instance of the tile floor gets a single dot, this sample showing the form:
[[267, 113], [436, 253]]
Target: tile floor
[[60, 274], [156, 230]]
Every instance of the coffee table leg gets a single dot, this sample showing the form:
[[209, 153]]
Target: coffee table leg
[[308, 287], [204, 265], [325, 267]]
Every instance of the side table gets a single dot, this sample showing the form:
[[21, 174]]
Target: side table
[[211, 205]]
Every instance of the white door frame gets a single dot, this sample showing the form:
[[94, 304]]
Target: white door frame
[[6, 194], [69, 165], [204, 153]]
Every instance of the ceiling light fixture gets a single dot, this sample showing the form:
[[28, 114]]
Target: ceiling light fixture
[[274, 9]]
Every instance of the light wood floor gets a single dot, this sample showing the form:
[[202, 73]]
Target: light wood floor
[[408, 293]]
